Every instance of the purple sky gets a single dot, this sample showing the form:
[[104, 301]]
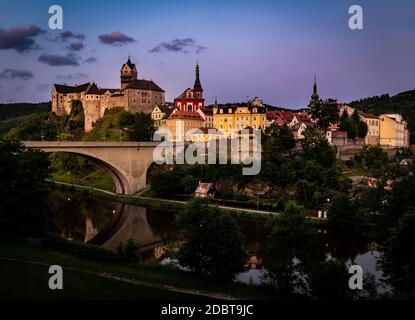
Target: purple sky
[[270, 49]]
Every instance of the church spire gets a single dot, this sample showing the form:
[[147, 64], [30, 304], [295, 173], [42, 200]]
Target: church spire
[[198, 85], [315, 96]]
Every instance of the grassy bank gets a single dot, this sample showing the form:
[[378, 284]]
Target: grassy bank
[[24, 280], [173, 205]]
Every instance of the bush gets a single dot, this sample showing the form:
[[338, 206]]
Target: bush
[[80, 249], [213, 243], [128, 251]]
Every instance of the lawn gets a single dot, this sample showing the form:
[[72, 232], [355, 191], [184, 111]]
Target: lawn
[[25, 279], [28, 281]]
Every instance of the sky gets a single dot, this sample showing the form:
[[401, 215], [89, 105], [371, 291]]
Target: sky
[[270, 49]]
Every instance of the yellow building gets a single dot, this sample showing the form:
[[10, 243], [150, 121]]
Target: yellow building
[[206, 134], [393, 131], [373, 125], [232, 118]]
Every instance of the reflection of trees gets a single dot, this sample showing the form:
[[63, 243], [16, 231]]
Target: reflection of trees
[[398, 261], [162, 223], [70, 209]]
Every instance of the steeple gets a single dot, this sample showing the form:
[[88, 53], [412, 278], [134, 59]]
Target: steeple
[[315, 96], [198, 85]]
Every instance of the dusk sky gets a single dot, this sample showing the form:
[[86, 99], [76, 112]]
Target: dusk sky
[[270, 49]]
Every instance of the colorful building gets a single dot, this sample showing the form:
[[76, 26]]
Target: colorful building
[[393, 131], [373, 125], [191, 100], [232, 118], [182, 124], [160, 114]]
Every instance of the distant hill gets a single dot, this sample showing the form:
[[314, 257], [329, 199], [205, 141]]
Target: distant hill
[[403, 103], [16, 110]]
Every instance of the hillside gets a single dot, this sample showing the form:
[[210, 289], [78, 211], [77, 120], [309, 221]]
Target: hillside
[[16, 110], [403, 103]]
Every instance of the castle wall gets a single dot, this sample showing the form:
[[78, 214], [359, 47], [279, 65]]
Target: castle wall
[[92, 107], [143, 100]]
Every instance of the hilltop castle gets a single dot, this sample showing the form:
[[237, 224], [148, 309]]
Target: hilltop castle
[[134, 95]]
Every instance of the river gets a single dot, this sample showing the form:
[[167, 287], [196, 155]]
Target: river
[[79, 216]]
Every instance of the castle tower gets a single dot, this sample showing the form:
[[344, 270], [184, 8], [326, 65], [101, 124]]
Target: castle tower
[[128, 73], [197, 87]]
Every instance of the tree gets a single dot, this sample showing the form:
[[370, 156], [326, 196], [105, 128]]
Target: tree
[[343, 214], [287, 240], [23, 189], [143, 127], [212, 241], [374, 157], [325, 113], [362, 129], [165, 181], [398, 261], [316, 147], [286, 138], [329, 281], [128, 251], [282, 137]]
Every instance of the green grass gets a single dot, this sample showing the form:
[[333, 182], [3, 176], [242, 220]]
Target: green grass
[[28, 281], [95, 179], [28, 249]]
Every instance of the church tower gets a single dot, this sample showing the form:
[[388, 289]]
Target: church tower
[[314, 96], [128, 73], [197, 87]]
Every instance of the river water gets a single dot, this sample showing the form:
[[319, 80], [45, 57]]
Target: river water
[[79, 216]]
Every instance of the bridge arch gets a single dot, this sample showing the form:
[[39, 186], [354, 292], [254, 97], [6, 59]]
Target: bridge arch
[[120, 182], [126, 162]]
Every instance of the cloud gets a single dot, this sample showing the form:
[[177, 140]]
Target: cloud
[[10, 73], [115, 38], [76, 46], [20, 38], [90, 60], [59, 60], [44, 87], [19, 88], [66, 35], [75, 76], [179, 45]]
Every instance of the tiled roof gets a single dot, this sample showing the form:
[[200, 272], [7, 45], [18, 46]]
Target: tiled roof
[[93, 89], [288, 115], [110, 90], [339, 134], [203, 187], [226, 108], [71, 89], [207, 111], [368, 115], [183, 94], [144, 85], [186, 115]]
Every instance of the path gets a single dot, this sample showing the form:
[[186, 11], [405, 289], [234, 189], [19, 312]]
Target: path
[[207, 294]]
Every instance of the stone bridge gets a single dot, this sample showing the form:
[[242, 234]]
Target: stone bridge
[[126, 162]]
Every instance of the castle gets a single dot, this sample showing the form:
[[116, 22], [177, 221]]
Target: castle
[[134, 95]]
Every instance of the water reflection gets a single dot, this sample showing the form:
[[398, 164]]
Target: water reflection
[[84, 218]]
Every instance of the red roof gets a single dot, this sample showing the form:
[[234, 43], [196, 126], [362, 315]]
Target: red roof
[[186, 115], [288, 115], [301, 116], [339, 134], [203, 187]]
